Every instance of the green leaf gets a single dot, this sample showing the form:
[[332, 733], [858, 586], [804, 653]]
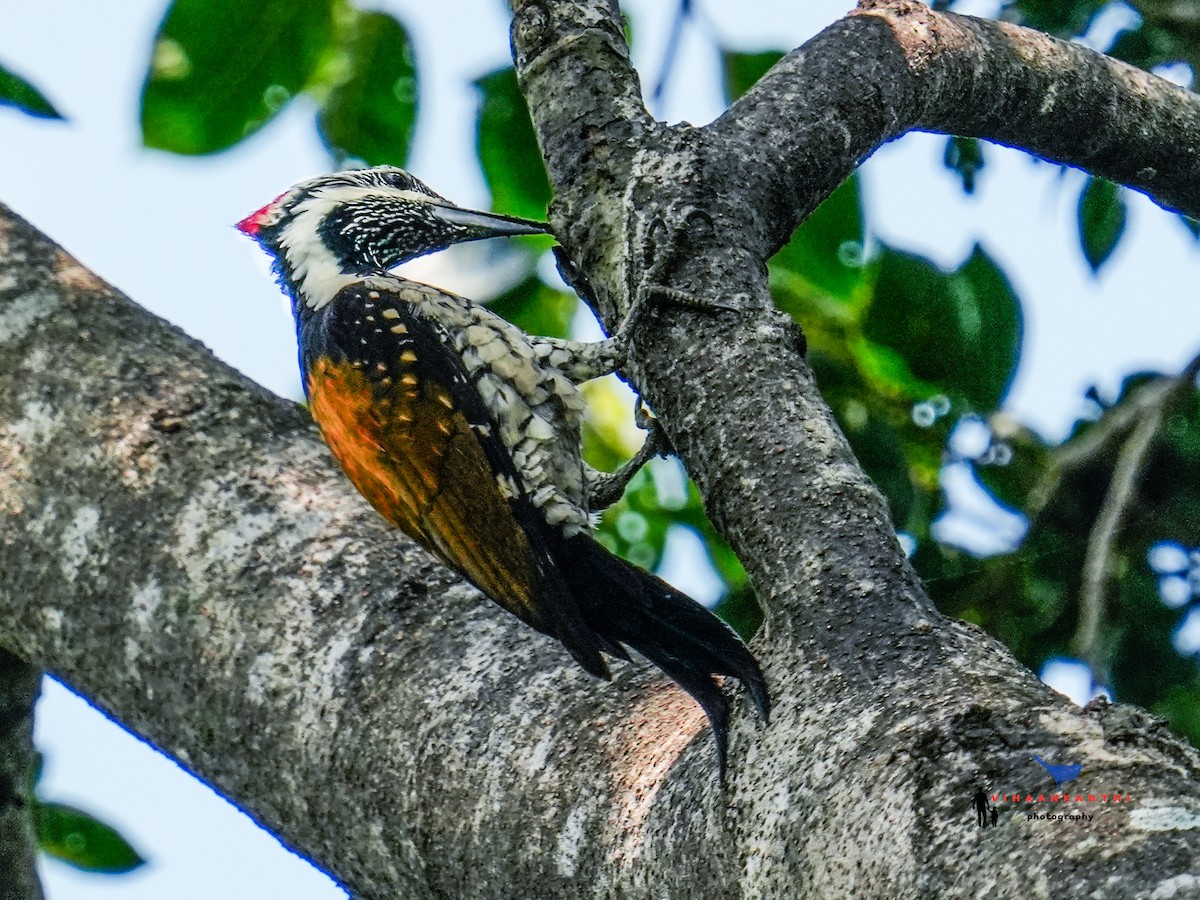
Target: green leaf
[[221, 69], [370, 115], [1154, 43], [740, 71], [537, 308], [77, 838], [1031, 599], [741, 611], [636, 528], [827, 249], [507, 148], [1024, 456], [903, 459], [1101, 220], [982, 291], [965, 156], [1192, 225], [959, 332], [1065, 19], [16, 91], [1181, 706], [878, 449]]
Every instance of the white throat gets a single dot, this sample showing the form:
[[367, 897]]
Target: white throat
[[316, 273]]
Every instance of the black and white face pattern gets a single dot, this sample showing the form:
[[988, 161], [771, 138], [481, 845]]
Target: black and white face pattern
[[331, 231]]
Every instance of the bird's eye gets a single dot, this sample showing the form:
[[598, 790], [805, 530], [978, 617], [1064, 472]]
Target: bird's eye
[[406, 182], [401, 180]]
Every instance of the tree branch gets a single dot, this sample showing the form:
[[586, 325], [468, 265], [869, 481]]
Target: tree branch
[[19, 685], [1134, 453], [896, 66], [856, 657], [178, 545]]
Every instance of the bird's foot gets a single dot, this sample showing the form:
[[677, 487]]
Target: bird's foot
[[656, 443], [660, 242], [605, 489], [677, 297]]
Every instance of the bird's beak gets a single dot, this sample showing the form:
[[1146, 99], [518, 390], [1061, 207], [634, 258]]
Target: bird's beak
[[481, 225]]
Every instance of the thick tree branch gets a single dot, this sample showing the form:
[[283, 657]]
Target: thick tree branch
[[856, 656], [897, 66], [177, 544]]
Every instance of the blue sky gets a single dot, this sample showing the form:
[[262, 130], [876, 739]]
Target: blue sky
[[159, 228]]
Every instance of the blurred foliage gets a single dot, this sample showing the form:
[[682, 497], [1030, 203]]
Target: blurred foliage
[[371, 112], [507, 148], [1030, 599], [964, 156], [16, 91], [1165, 31], [81, 840], [221, 69], [537, 307], [825, 257], [78, 838], [741, 71], [907, 353], [933, 333], [1101, 219]]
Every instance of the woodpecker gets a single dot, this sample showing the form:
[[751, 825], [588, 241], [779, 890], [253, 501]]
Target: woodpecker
[[464, 431]]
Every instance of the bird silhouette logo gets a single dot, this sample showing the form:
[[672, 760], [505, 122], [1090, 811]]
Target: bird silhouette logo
[[1060, 774]]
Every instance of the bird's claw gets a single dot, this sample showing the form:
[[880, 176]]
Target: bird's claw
[[657, 442], [689, 301], [690, 223]]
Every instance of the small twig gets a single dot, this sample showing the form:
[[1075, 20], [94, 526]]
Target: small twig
[[682, 13], [1106, 436], [1101, 548]]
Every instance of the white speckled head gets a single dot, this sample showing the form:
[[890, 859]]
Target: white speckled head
[[334, 229]]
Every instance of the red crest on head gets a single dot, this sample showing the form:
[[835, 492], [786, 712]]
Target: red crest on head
[[253, 223]]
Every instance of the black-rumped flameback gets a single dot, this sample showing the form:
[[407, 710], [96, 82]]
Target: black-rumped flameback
[[465, 432]]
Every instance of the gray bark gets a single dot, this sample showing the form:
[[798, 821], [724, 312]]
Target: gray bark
[[19, 684], [178, 545]]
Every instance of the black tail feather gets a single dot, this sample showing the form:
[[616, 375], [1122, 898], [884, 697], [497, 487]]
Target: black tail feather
[[623, 604]]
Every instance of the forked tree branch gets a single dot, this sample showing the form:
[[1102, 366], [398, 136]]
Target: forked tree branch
[[824, 108], [851, 643], [177, 544]]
